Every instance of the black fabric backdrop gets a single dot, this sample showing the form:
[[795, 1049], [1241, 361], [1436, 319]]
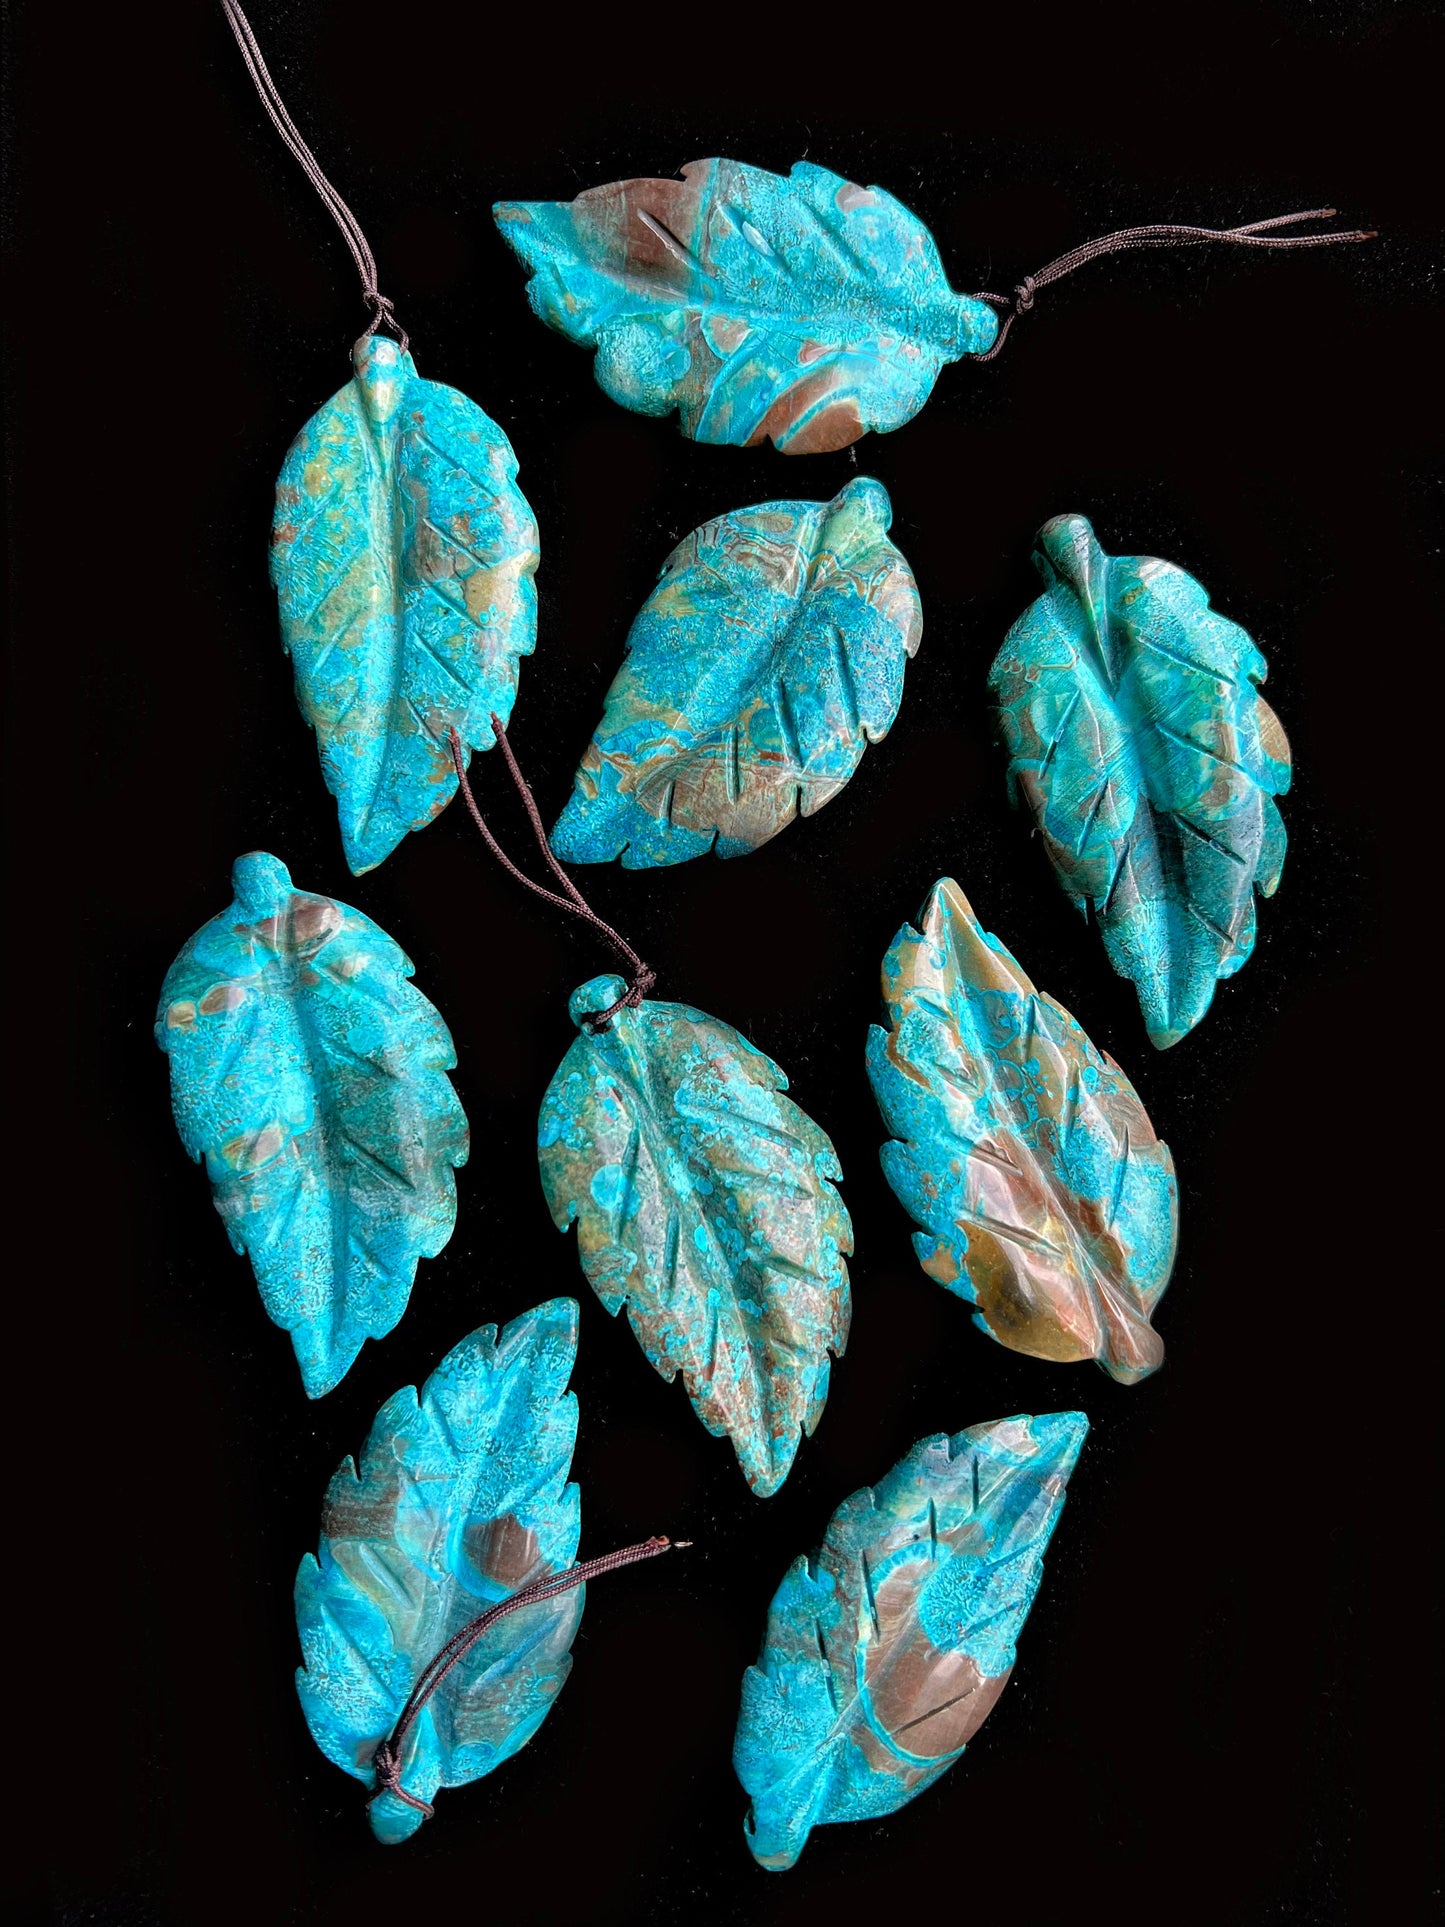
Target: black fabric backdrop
[[1221, 1708]]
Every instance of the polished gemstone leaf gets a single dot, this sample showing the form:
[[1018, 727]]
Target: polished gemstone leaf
[[311, 1077], [1024, 1153], [804, 309], [887, 1650], [768, 657], [1150, 761], [403, 554], [461, 1499], [704, 1203]]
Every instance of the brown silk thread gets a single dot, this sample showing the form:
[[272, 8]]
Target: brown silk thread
[[1254, 235], [574, 903], [387, 1757], [381, 308]]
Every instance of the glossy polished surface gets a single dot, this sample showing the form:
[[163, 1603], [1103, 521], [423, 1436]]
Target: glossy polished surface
[[403, 554], [460, 1499], [803, 308], [888, 1648], [1150, 761], [1024, 1153], [704, 1203], [311, 1077], [768, 657]]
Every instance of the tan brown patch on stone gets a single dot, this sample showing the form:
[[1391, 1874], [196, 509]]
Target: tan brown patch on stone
[[850, 195], [1272, 739], [834, 426], [1020, 1297], [646, 225], [505, 1550], [931, 1702], [726, 333], [479, 592], [253, 1148], [222, 997], [356, 1511], [301, 928], [883, 1760]]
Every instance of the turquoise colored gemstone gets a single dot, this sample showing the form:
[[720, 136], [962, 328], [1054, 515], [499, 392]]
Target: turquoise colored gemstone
[[1140, 742], [768, 657], [310, 1075], [403, 554], [704, 1204], [805, 309], [459, 1500], [1043, 1195], [888, 1648]]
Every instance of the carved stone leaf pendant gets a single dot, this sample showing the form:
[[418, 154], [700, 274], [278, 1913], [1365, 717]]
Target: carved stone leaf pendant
[[805, 308], [889, 1647], [403, 554], [768, 657], [311, 1077], [1024, 1153], [460, 1499], [1150, 761], [704, 1203]]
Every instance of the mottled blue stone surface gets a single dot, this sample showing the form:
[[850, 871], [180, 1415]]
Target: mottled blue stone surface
[[1150, 761], [311, 1077], [1045, 1197], [704, 1203], [803, 308], [460, 1499], [402, 553], [770, 654], [888, 1648]]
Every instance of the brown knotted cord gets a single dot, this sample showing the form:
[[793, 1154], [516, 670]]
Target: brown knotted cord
[[642, 979], [1255, 235], [387, 1757], [381, 309]]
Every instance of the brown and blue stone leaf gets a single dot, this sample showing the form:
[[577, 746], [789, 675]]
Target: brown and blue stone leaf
[[1140, 742], [768, 657], [704, 1204], [460, 1499], [802, 309], [403, 554], [1023, 1152], [889, 1647], [311, 1077]]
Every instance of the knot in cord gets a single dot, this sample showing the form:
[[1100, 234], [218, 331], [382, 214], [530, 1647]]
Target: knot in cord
[[383, 314], [642, 982], [388, 1780], [1024, 295]]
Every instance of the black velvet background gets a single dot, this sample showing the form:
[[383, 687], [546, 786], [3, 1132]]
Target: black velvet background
[[1221, 1709]]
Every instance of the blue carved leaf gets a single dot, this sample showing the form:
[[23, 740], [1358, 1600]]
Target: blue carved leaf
[[403, 554], [704, 1203], [1024, 1153], [311, 1077], [807, 309], [1150, 761], [768, 657], [886, 1651], [460, 1499]]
